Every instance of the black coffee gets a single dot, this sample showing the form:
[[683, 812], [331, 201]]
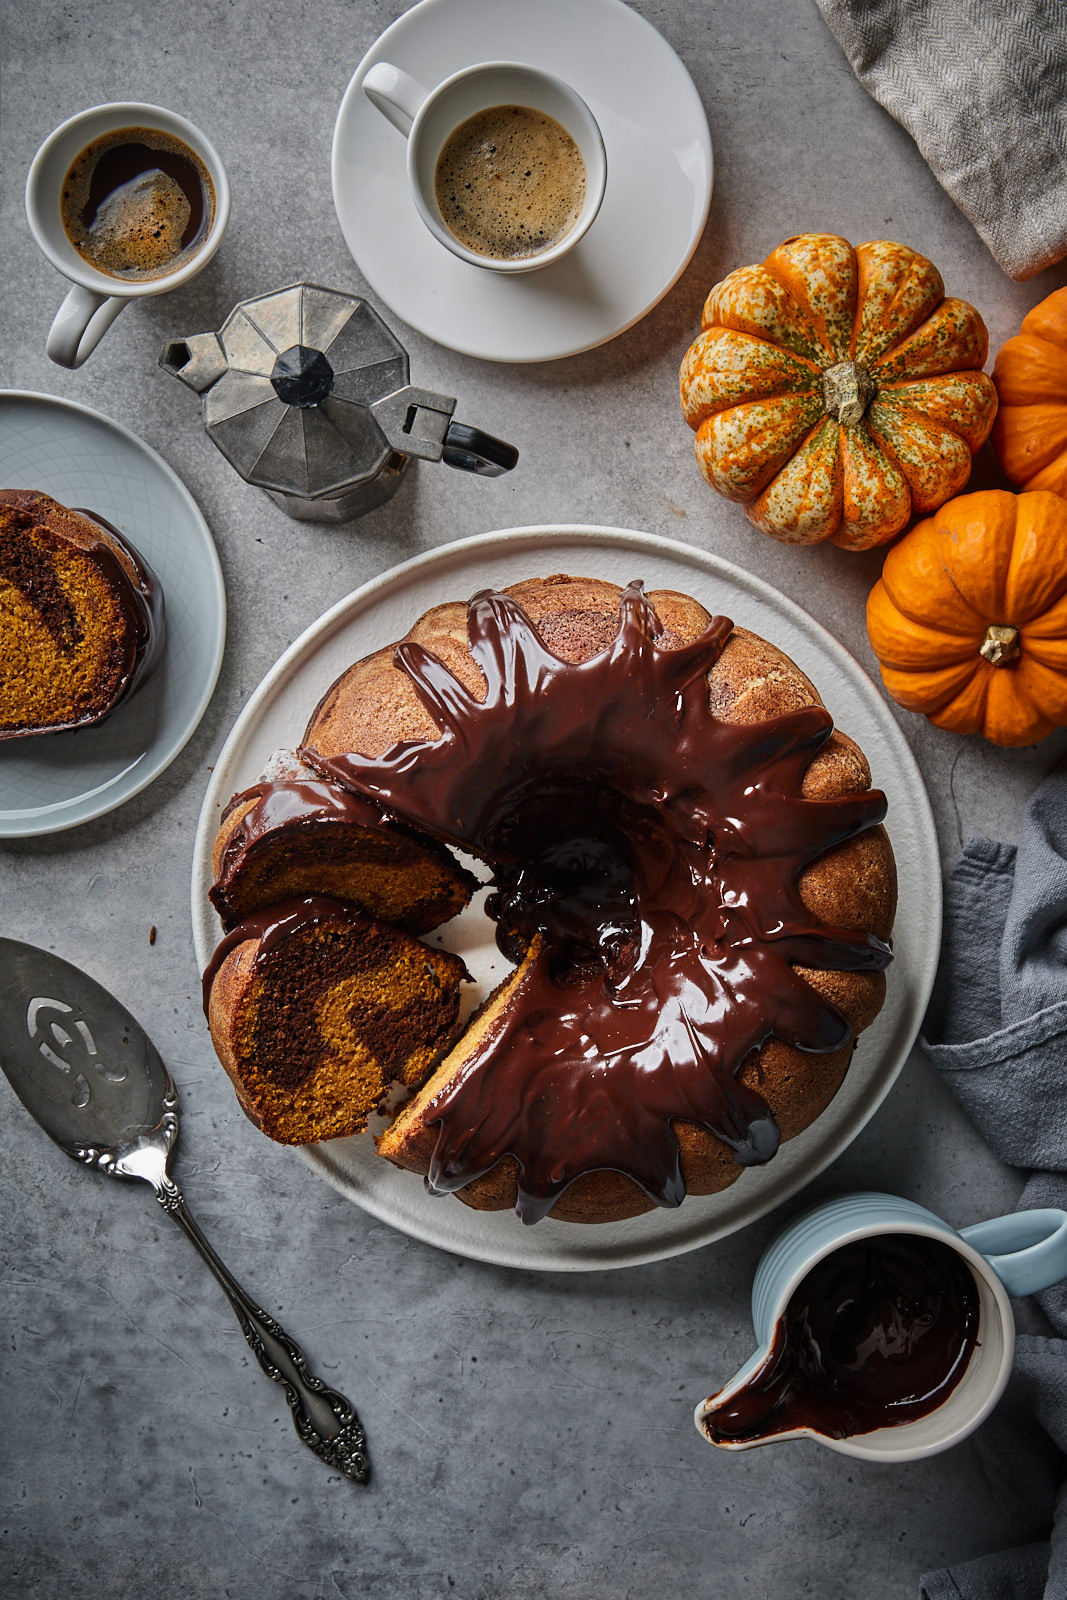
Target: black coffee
[[135, 202]]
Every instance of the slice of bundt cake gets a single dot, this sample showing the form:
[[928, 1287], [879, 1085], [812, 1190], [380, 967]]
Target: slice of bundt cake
[[316, 1010], [81, 616], [298, 836]]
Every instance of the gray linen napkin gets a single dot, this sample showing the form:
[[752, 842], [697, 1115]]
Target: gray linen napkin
[[997, 1031], [981, 86]]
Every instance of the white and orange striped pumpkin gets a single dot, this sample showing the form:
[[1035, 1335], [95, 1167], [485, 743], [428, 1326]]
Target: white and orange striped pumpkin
[[836, 392]]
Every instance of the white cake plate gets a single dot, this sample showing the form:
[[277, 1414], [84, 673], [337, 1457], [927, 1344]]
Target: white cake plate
[[381, 612]]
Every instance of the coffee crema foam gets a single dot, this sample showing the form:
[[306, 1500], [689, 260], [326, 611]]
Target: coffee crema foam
[[135, 201], [510, 182]]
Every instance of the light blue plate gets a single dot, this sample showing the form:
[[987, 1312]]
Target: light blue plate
[[83, 459]]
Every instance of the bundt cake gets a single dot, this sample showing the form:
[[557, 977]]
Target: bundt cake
[[297, 836], [316, 1010], [81, 616], [687, 870]]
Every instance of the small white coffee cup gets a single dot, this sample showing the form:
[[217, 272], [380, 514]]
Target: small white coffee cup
[[427, 118], [92, 304]]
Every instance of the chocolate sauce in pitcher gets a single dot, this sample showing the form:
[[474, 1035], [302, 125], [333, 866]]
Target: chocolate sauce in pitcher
[[879, 1333]]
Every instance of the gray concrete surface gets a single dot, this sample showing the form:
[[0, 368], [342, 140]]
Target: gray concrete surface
[[532, 1435]]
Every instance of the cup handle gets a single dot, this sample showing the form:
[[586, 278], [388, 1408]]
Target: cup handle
[[1027, 1250], [80, 324], [396, 95]]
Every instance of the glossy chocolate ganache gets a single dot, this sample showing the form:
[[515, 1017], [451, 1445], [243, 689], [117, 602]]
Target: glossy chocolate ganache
[[646, 857], [284, 803], [878, 1334], [142, 604]]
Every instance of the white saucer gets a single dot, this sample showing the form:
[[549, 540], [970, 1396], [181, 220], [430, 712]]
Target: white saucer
[[382, 611], [658, 193], [84, 459]]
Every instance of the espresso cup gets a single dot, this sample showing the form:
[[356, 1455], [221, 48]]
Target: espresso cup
[[428, 117], [1007, 1256], [97, 297]]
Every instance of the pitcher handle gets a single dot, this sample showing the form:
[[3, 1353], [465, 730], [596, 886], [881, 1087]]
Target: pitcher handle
[[1027, 1250]]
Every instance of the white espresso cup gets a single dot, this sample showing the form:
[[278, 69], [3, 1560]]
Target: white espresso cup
[[426, 118], [97, 297]]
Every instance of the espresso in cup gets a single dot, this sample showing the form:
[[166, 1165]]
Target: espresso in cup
[[137, 203], [510, 183], [877, 1334]]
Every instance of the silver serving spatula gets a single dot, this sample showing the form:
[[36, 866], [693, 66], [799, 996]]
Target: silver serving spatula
[[95, 1082]]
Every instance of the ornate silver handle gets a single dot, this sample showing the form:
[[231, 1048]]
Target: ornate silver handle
[[324, 1419]]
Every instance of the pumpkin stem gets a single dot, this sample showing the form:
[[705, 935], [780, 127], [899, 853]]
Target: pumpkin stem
[[1000, 644], [848, 390]]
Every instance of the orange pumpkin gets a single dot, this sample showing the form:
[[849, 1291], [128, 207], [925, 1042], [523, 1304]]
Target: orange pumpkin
[[834, 391], [969, 617], [1030, 373]]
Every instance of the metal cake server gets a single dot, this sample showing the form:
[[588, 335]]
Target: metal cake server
[[92, 1078]]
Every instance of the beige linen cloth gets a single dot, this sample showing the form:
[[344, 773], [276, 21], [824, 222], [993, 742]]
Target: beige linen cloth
[[981, 86]]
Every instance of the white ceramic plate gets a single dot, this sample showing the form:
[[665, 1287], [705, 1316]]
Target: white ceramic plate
[[383, 611], [655, 206], [83, 459]]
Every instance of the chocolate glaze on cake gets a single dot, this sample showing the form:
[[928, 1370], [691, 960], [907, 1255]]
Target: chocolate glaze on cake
[[324, 835], [879, 1333], [141, 602], [649, 854]]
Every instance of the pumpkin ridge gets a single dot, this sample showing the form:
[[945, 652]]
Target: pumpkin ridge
[[1028, 439], [807, 258], [952, 339], [1031, 371], [1036, 579], [931, 479], [725, 368], [914, 617], [885, 447], [905, 409], [965, 712], [1046, 320], [932, 399], [898, 290], [738, 301], [819, 362], [795, 514], [947, 570], [722, 460], [874, 505]]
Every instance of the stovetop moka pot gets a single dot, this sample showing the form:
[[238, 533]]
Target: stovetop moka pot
[[305, 391]]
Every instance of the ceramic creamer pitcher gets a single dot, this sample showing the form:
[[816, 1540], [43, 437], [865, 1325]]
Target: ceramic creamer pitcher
[[1006, 1256]]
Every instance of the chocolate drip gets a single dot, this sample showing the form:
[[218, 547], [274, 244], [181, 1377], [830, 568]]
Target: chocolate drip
[[653, 852], [287, 803], [878, 1334], [141, 604]]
